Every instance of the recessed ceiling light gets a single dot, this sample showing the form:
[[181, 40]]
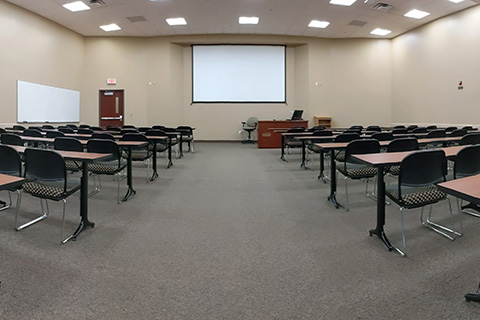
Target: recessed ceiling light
[[76, 6], [110, 27], [417, 14], [248, 20], [342, 2], [318, 24], [456, 1], [176, 21], [380, 32]]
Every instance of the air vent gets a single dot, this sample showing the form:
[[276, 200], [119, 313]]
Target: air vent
[[382, 6], [98, 2], [357, 23], [137, 19]]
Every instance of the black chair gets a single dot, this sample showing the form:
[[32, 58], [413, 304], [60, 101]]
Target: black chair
[[18, 127], [84, 126], [72, 126], [354, 130], [450, 129], [420, 171], [356, 127], [47, 179], [354, 169], [419, 130], [143, 129], [3, 130], [143, 154], [344, 137], [84, 131], [113, 128], [174, 139], [316, 128], [161, 146], [111, 166], [158, 127], [316, 137], [458, 133], [97, 129], [187, 136], [32, 133], [105, 135], [66, 130], [382, 136], [400, 126], [467, 128], [399, 131], [290, 141], [400, 145], [48, 126], [432, 127], [69, 144], [11, 139], [374, 128], [10, 164], [249, 126], [129, 126], [470, 138], [411, 127], [436, 133], [128, 130], [55, 134]]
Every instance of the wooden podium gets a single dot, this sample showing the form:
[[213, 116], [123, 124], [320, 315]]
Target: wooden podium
[[267, 138]]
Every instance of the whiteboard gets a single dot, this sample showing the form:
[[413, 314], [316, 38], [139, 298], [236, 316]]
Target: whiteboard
[[41, 103]]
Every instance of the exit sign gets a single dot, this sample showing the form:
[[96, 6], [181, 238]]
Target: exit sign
[[111, 81]]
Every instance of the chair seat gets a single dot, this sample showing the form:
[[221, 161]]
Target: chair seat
[[314, 148], [72, 165], [294, 144], [140, 155], [51, 189], [357, 171], [107, 167], [394, 170], [413, 197], [187, 138]]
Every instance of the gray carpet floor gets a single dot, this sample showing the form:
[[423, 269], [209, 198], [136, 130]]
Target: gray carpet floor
[[232, 232]]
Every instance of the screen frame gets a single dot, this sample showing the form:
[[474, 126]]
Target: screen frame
[[284, 102]]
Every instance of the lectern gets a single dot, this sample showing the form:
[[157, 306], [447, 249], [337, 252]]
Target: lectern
[[268, 138]]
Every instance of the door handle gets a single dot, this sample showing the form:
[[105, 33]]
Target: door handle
[[111, 118]]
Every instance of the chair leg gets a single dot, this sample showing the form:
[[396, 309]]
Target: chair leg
[[40, 218], [62, 241], [403, 228], [439, 228], [347, 208]]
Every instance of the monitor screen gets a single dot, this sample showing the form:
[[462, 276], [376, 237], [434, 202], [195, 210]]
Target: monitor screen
[[297, 115]]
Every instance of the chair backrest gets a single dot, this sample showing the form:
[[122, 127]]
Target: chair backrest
[[252, 121], [458, 133], [54, 134], [411, 127], [400, 126], [18, 127], [3, 130], [316, 128], [347, 137], [73, 126], [322, 133], [382, 136], [360, 146], [45, 164], [144, 129], [32, 133], [113, 128], [66, 130], [84, 126], [374, 128], [431, 127], [129, 126], [400, 131], [420, 130], [185, 130], [10, 161], [437, 133], [470, 138], [96, 128], [129, 130], [84, 131], [104, 146], [158, 127], [11, 139], [296, 129], [67, 144], [104, 135], [356, 131], [467, 127], [403, 144], [449, 129], [467, 162], [422, 168], [134, 137], [356, 127], [156, 133], [48, 126]]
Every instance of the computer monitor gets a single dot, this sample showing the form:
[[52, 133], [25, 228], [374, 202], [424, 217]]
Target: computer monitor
[[297, 115]]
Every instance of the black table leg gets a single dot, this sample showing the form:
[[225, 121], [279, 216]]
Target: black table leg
[[154, 165], [283, 148], [322, 168], [130, 189], [379, 230], [181, 146], [333, 180], [84, 222], [170, 163]]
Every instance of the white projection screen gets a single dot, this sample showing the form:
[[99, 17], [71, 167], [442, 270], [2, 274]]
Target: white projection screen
[[41, 103], [238, 74]]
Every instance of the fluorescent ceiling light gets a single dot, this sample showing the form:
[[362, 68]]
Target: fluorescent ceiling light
[[380, 32], [342, 2], [248, 20], [417, 14], [76, 6], [110, 27], [176, 21], [456, 1], [318, 24]]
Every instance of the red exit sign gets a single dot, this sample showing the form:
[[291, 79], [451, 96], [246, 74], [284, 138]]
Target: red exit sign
[[111, 81]]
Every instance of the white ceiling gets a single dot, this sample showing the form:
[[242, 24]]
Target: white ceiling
[[277, 17]]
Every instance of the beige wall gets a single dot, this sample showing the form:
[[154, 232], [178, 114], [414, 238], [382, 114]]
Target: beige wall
[[428, 64], [35, 50]]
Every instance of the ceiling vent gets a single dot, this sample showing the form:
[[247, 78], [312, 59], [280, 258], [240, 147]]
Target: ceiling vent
[[137, 19], [357, 23], [98, 2], [382, 6]]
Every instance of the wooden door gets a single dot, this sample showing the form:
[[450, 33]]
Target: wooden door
[[111, 108]]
